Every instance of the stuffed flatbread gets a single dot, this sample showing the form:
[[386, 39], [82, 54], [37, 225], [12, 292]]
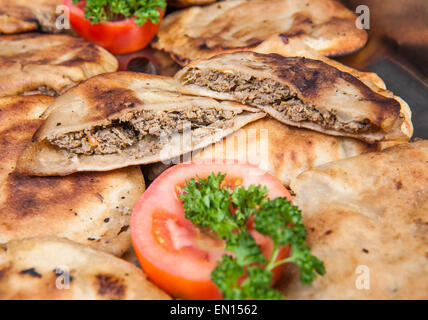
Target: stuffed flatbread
[[59, 269], [34, 63], [120, 119], [93, 208], [236, 25], [300, 92]]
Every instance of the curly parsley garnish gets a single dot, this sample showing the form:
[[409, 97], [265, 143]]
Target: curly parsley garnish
[[208, 206], [97, 11]]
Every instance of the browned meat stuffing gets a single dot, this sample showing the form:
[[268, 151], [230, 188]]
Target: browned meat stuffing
[[267, 92], [148, 125]]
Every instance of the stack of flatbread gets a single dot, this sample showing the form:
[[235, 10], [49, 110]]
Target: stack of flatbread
[[236, 25], [18, 16], [254, 87]]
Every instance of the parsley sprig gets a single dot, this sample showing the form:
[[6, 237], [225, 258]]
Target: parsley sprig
[[97, 11], [248, 274]]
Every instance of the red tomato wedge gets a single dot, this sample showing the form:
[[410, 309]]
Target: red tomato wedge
[[118, 37], [171, 250]]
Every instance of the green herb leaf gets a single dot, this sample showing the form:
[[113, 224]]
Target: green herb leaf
[[97, 11], [244, 272], [207, 205], [282, 222]]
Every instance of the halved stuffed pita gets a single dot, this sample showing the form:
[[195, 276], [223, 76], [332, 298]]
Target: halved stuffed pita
[[92, 209], [59, 269], [18, 16], [120, 119], [35, 63], [300, 92], [367, 219], [236, 25], [281, 150]]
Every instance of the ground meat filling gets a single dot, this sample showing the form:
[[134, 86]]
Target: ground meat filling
[[146, 125], [268, 92]]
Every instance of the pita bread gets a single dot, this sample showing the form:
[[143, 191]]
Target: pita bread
[[300, 92], [59, 269], [281, 150], [367, 219], [294, 47], [18, 16], [145, 109], [188, 3], [93, 209], [236, 25], [49, 64]]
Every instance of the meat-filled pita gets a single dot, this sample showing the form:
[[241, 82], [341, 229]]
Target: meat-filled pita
[[367, 219], [236, 25], [92, 209], [120, 119], [281, 150], [59, 269], [300, 92], [34, 63], [17, 16]]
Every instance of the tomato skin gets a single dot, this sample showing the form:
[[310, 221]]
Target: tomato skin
[[175, 272], [193, 290], [118, 37]]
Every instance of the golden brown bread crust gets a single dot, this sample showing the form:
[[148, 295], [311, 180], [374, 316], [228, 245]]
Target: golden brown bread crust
[[294, 47], [18, 16], [59, 269], [58, 62], [367, 213], [74, 207], [314, 82], [236, 25]]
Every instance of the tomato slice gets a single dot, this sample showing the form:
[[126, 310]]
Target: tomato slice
[[118, 37], [172, 251]]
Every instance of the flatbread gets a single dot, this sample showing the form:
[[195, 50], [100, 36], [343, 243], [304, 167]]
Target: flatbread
[[93, 208], [59, 269], [100, 101], [236, 25], [281, 150], [294, 47], [18, 16], [301, 92], [36, 63], [367, 219], [188, 3]]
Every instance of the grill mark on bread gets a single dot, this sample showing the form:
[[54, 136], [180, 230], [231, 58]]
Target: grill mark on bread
[[32, 272], [24, 198], [114, 100], [110, 286]]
